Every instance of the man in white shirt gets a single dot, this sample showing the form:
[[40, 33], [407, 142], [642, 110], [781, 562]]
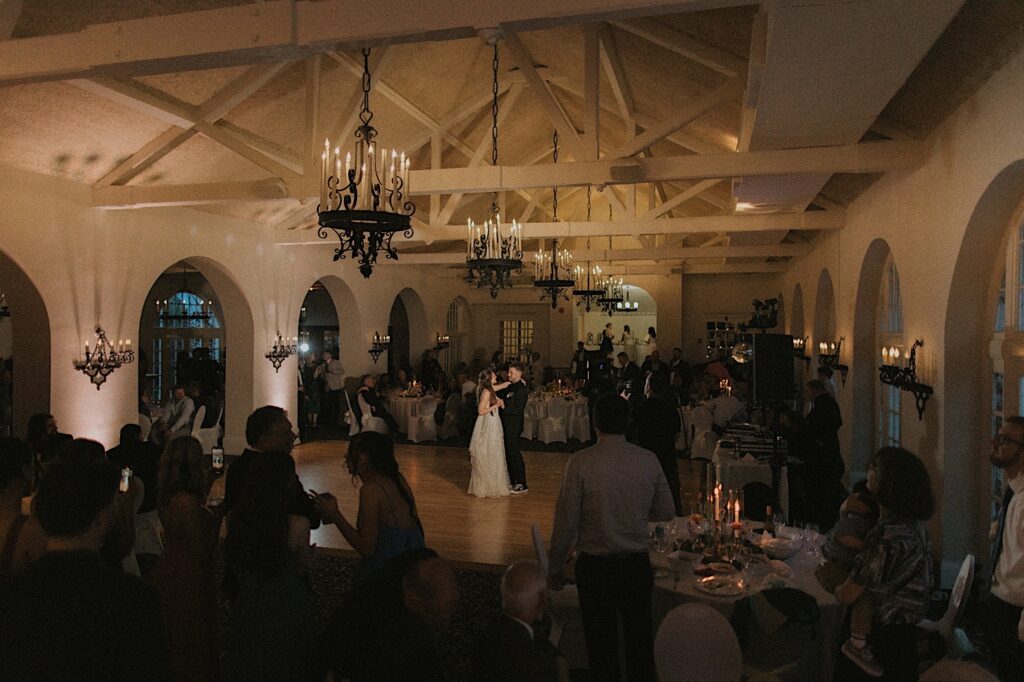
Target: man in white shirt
[[609, 493], [179, 414], [334, 378], [1005, 627]]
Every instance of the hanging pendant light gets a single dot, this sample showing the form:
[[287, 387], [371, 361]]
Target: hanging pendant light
[[491, 255], [553, 271], [366, 205]]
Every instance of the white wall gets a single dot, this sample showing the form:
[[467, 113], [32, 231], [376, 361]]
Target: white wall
[[713, 298]]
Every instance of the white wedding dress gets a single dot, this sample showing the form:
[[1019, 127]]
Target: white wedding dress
[[489, 477]]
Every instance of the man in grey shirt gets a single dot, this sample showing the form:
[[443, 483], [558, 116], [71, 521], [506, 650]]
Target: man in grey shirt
[[609, 493]]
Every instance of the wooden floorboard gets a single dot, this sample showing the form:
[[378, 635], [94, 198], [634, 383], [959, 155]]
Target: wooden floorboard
[[464, 529]]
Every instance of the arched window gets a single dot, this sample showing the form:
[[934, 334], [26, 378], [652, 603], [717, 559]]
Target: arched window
[[890, 333], [187, 310]]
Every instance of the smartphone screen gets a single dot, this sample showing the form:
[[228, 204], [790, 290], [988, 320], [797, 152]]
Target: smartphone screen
[[217, 457], [126, 479]]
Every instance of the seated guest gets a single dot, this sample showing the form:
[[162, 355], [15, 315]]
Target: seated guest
[[142, 458], [184, 575], [464, 384], [267, 430], [43, 440], [370, 404], [387, 523], [21, 537], [177, 419], [653, 364], [69, 616], [271, 633], [384, 629], [510, 650], [402, 379], [894, 570]]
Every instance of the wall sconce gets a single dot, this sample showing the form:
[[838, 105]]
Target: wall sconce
[[100, 362], [828, 356], [280, 352], [443, 341], [800, 351], [379, 345], [901, 372]]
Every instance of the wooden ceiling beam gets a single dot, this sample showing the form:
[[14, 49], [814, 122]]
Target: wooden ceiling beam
[[140, 98], [616, 74], [660, 34], [689, 193], [591, 91]]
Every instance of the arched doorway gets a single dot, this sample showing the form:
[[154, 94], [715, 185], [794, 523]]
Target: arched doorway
[[877, 321], [24, 350], [407, 326], [824, 311], [638, 311], [203, 333], [317, 334], [968, 393]]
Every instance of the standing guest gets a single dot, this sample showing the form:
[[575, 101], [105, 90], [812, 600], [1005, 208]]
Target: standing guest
[[607, 341], [514, 395], [826, 377], [334, 378], [463, 384], [629, 378], [653, 365], [271, 633], [681, 370], [894, 569], [497, 359], [654, 426], [385, 628], [536, 370], [510, 649], [370, 404], [69, 616], [431, 371], [143, 459], [184, 575], [1005, 624], [387, 523], [825, 465], [267, 430], [609, 493], [21, 537], [628, 342], [650, 341], [578, 365], [312, 385]]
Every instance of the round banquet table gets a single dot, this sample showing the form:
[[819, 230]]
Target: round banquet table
[[403, 409], [537, 409]]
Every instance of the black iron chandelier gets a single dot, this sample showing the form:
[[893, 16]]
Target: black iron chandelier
[[101, 361], [552, 272], [492, 257], [611, 300], [368, 204], [184, 311], [588, 290], [281, 351]]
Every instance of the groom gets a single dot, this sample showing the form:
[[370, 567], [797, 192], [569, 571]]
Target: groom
[[514, 396]]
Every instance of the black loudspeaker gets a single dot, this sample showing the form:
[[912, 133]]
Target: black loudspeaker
[[773, 367]]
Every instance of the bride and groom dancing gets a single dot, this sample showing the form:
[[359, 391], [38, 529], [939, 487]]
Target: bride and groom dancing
[[497, 465]]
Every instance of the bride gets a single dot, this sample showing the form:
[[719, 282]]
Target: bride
[[489, 476]]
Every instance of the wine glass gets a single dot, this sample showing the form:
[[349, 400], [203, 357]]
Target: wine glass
[[664, 545]]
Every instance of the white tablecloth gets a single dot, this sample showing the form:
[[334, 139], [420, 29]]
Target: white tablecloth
[[537, 408], [403, 409]]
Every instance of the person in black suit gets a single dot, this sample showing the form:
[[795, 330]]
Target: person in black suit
[[824, 464], [653, 364], [267, 430], [512, 648], [143, 458], [628, 381], [654, 426], [514, 394]]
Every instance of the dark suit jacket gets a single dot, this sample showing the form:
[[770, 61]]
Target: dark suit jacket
[[505, 652], [234, 484], [515, 397], [654, 427], [144, 460], [823, 422]]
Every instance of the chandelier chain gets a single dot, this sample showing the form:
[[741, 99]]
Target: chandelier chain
[[588, 206], [554, 191], [366, 115], [494, 109]]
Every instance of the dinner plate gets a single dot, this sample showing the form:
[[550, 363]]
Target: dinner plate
[[720, 586], [719, 567]]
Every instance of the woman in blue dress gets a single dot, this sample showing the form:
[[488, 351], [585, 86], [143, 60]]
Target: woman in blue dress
[[387, 524]]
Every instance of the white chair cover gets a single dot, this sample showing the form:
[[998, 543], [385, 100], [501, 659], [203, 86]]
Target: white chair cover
[[957, 671], [552, 428], [704, 438], [207, 437], [957, 642], [695, 643], [531, 417], [146, 424], [450, 425], [422, 426], [579, 422], [148, 533], [563, 605], [354, 426]]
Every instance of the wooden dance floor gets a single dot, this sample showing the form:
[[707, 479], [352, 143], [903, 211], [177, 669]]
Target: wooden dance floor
[[463, 529]]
